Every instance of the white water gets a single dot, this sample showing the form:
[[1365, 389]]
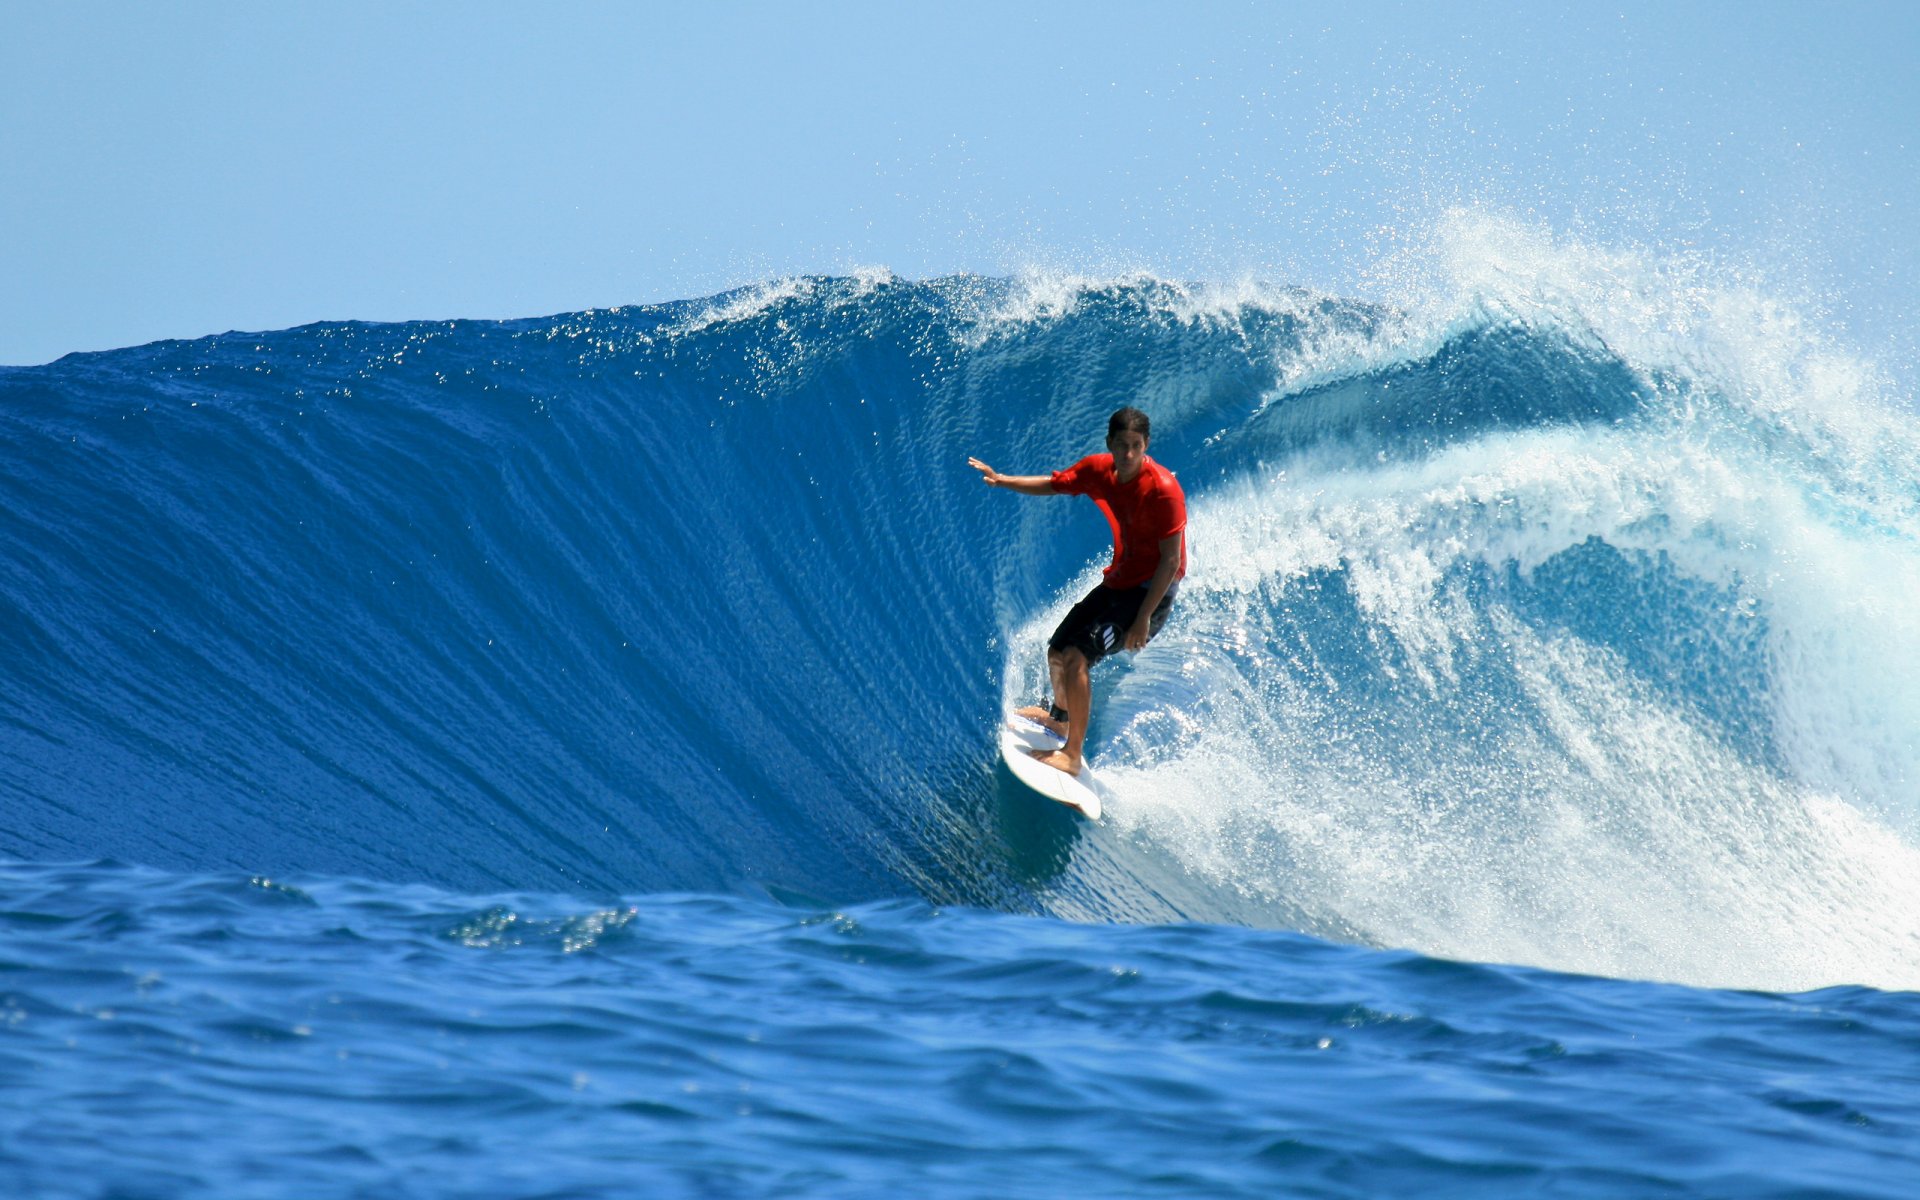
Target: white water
[[1483, 780]]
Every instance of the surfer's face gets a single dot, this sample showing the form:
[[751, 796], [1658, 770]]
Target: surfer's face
[[1129, 453]]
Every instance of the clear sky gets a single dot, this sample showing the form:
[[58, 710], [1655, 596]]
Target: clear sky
[[179, 169]]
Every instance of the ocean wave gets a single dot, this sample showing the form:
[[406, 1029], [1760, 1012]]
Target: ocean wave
[[1547, 606]]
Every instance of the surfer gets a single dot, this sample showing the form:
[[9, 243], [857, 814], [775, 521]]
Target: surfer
[[1147, 512]]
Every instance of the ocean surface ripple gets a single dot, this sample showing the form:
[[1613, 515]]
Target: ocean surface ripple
[[174, 1035]]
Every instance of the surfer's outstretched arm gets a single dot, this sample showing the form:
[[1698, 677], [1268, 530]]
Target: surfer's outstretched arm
[[1031, 485]]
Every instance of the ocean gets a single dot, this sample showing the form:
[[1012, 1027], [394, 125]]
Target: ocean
[[556, 757]]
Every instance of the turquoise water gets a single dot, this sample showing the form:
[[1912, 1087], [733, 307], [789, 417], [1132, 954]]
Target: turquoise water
[[556, 757]]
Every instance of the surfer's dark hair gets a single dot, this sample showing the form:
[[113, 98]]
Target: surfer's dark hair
[[1130, 420]]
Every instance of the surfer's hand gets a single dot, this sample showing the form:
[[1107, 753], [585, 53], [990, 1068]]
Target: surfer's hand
[[988, 475], [1138, 635]]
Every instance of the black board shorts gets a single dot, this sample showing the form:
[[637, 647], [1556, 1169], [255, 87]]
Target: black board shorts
[[1097, 626]]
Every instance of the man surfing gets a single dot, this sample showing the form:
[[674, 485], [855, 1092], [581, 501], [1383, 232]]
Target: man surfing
[[1147, 511]]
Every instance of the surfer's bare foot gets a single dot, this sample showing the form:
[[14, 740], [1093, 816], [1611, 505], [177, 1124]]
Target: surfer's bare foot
[[1041, 716], [1059, 760]]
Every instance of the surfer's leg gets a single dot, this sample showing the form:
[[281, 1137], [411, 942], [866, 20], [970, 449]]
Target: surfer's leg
[[1078, 631], [1072, 691], [1075, 694], [1093, 629], [1057, 713]]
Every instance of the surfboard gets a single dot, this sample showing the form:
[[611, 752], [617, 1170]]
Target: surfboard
[[1017, 737]]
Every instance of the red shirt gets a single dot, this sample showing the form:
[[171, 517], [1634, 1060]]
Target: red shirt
[[1142, 511]]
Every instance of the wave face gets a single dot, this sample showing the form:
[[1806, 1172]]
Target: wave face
[[1556, 613]]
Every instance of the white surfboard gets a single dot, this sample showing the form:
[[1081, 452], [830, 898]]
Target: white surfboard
[[1019, 736]]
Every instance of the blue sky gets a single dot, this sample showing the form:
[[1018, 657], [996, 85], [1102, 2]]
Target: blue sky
[[176, 170]]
